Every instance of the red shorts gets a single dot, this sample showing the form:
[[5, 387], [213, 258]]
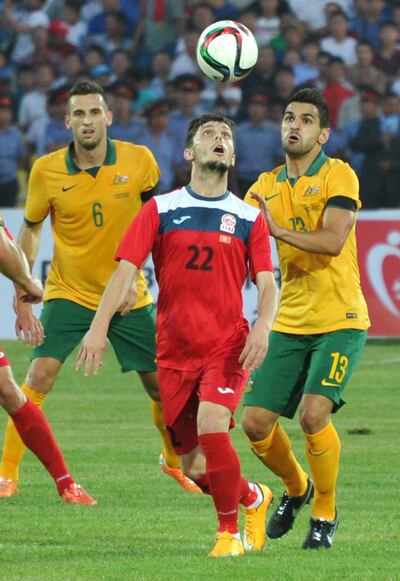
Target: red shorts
[[4, 362], [221, 381]]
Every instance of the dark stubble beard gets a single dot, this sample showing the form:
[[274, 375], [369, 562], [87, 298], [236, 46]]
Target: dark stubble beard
[[218, 167], [89, 146]]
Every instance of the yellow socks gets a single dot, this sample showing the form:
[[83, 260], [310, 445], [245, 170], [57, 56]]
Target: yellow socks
[[323, 454], [275, 451], [14, 448], [171, 458]]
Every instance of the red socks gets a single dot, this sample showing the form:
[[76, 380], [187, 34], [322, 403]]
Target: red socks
[[35, 432], [227, 486]]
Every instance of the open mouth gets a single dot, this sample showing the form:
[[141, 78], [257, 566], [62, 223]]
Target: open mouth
[[88, 132], [219, 149], [293, 138]]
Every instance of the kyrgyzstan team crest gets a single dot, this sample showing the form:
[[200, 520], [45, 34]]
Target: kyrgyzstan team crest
[[228, 223]]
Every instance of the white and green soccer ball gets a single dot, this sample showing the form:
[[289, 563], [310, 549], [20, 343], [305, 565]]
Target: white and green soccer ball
[[226, 51]]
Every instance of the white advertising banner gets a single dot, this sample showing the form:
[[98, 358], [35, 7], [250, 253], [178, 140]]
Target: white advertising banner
[[378, 236]]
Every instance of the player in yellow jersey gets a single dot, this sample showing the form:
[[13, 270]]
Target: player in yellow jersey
[[310, 204], [91, 190]]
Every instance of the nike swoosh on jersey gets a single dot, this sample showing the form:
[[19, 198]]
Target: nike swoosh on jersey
[[270, 197], [328, 384], [182, 219], [64, 189]]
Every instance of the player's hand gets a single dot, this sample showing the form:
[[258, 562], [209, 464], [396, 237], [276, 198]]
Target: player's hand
[[28, 328], [129, 301], [255, 348], [32, 292], [91, 352], [273, 227]]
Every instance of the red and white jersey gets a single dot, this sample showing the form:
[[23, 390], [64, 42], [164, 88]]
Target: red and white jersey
[[203, 248]]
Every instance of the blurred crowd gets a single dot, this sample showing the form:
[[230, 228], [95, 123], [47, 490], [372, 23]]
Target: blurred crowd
[[143, 53]]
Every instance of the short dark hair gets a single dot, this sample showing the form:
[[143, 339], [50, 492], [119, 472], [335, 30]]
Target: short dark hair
[[314, 97], [198, 122], [86, 87]]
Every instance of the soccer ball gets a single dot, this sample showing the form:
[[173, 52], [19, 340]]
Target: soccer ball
[[226, 51]]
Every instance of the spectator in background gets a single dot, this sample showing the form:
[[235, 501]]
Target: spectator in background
[[364, 72], [71, 70], [77, 27], [292, 37], [284, 82], [120, 63], [162, 23], [123, 126], [307, 70], [42, 51], [339, 43], [102, 75], [56, 135], [224, 10], [336, 89], [263, 74], [268, 21], [58, 43], [114, 36], [12, 154], [312, 13], [92, 57], [22, 22], [387, 57], [368, 18], [185, 61], [258, 143], [34, 103], [188, 94], [367, 140], [155, 135], [161, 73]]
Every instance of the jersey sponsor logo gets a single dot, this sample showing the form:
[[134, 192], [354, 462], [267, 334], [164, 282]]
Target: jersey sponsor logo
[[181, 219], [351, 316], [120, 179], [225, 390], [228, 223], [64, 189], [329, 384], [312, 191], [122, 195]]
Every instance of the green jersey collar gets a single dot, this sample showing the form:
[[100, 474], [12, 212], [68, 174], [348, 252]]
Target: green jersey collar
[[312, 170], [110, 159]]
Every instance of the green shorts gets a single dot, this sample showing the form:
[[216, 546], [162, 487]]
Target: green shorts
[[296, 365], [133, 336]]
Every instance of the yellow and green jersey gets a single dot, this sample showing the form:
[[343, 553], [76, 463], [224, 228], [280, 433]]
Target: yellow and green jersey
[[90, 211], [320, 293]]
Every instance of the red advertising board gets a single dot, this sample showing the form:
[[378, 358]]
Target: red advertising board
[[378, 241]]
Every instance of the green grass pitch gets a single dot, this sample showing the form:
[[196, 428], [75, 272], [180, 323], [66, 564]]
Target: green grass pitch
[[145, 528]]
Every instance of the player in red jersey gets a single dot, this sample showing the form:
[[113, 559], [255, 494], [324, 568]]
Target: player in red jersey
[[204, 241], [29, 420]]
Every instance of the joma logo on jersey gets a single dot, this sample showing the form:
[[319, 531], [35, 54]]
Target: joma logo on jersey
[[228, 223], [312, 191], [120, 179]]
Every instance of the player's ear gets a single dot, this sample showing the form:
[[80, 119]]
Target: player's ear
[[233, 160], [67, 121], [188, 154], [109, 118], [324, 136]]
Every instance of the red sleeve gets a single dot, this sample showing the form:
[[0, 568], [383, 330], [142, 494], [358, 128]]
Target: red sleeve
[[140, 236], [260, 258]]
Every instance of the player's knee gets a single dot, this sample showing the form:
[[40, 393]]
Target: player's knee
[[41, 377], [11, 397], [256, 426], [313, 419]]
